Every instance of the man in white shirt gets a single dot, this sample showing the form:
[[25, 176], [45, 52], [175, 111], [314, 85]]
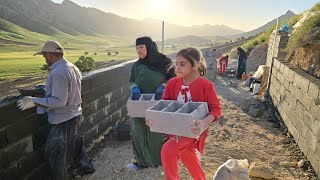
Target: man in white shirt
[[62, 103]]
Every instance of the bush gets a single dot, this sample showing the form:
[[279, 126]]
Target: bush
[[85, 64], [45, 67]]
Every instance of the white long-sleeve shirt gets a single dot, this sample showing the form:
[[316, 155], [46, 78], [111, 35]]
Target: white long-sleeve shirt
[[63, 92]]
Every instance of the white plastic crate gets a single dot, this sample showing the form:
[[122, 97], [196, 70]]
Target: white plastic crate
[[137, 108], [173, 117]]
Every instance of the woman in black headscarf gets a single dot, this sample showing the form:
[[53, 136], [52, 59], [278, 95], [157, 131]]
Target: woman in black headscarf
[[148, 75], [242, 62]]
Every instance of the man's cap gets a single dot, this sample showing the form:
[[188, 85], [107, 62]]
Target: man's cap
[[51, 47]]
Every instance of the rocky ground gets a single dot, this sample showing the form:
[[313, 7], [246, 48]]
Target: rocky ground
[[240, 136]]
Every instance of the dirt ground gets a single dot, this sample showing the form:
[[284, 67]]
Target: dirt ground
[[240, 136]]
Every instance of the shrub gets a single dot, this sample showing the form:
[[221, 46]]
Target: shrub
[[45, 67], [85, 64]]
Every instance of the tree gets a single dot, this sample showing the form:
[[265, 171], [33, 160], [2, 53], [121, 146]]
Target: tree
[[116, 52], [86, 53], [109, 53], [85, 64]]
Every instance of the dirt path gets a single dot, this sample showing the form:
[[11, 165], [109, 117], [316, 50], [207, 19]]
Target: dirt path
[[241, 137]]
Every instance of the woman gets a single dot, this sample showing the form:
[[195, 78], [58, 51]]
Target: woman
[[148, 75], [242, 62]]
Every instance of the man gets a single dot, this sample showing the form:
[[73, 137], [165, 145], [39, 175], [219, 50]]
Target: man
[[62, 103]]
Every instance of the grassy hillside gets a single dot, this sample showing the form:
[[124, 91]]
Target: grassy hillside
[[264, 37], [17, 46]]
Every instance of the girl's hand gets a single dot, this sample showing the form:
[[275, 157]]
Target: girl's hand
[[148, 122], [198, 125]]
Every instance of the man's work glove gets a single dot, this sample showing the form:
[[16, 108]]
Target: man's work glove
[[25, 103], [135, 93], [159, 92]]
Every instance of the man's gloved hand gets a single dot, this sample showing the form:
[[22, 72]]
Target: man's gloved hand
[[159, 92], [135, 93], [25, 103]]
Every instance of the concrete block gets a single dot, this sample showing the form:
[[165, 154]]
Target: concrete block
[[281, 78], [103, 101], [31, 162], [86, 84], [42, 172], [115, 95], [303, 145], [302, 97], [137, 108], [105, 124], [311, 139], [314, 90], [172, 117], [9, 113], [10, 173], [15, 151], [292, 101], [314, 158], [101, 78], [315, 109], [301, 81], [286, 83], [291, 75], [20, 129], [3, 138], [308, 120]]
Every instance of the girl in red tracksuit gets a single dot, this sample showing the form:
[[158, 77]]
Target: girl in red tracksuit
[[189, 85]]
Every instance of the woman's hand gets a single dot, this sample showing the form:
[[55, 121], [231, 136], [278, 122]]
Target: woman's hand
[[148, 122]]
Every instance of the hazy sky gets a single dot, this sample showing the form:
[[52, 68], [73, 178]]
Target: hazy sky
[[240, 14]]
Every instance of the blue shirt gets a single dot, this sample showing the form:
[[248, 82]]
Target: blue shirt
[[63, 93]]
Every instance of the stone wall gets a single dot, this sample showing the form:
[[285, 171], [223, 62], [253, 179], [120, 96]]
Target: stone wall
[[296, 96], [23, 135]]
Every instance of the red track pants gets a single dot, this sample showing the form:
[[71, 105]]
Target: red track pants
[[185, 150]]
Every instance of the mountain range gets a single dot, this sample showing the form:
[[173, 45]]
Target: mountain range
[[68, 18]]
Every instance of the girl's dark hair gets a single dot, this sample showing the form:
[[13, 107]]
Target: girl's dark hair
[[194, 55]]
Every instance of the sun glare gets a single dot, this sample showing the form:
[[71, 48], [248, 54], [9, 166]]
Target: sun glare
[[159, 4]]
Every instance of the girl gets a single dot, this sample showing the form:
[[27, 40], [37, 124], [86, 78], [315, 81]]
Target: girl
[[189, 85]]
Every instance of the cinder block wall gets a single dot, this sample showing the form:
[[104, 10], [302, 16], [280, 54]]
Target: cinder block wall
[[22, 135], [296, 96]]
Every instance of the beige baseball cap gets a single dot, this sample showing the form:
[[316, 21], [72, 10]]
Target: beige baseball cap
[[51, 46]]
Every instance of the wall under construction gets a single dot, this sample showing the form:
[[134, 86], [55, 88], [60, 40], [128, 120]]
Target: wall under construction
[[296, 96], [23, 135]]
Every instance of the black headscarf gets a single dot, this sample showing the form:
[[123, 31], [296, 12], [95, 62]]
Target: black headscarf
[[154, 59], [242, 54]]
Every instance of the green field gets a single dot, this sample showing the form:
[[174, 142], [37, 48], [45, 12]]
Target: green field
[[17, 46]]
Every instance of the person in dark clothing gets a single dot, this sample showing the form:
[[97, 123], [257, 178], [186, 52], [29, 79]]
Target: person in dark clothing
[[149, 75], [242, 62]]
